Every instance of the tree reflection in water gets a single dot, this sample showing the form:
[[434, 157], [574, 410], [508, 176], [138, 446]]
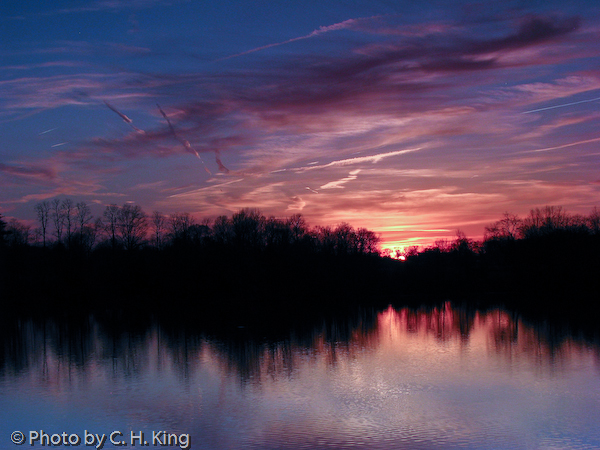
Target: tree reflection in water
[[50, 349], [431, 377]]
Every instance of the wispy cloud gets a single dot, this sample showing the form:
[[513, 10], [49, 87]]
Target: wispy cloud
[[374, 159], [108, 5], [563, 105], [29, 171], [414, 125], [31, 93], [339, 184], [45, 65], [319, 31]]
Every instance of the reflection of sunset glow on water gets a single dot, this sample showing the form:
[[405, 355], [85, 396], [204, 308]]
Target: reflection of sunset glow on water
[[488, 335], [431, 378]]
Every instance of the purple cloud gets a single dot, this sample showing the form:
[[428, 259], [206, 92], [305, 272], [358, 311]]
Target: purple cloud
[[29, 172], [532, 31], [342, 124]]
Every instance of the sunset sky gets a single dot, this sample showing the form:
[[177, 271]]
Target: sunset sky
[[411, 120]]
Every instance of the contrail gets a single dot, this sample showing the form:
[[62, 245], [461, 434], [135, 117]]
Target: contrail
[[58, 145], [47, 131], [558, 147], [562, 106], [183, 142], [324, 29], [126, 119]]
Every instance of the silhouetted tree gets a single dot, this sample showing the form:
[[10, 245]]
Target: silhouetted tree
[[326, 239], [463, 244], [98, 227], [42, 210], [17, 234], [83, 215], [248, 227], [68, 210], [509, 227], [442, 245], [344, 237], [298, 227], [179, 226], [58, 218], [593, 221], [411, 251], [222, 230], [543, 221], [37, 236], [276, 233], [159, 224], [85, 239], [2, 230], [132, 226], [367, 241], [111, 221], [199, 233]]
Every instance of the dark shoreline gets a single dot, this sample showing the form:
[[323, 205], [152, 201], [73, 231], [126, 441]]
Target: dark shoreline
[[554, 265], [250, 269]]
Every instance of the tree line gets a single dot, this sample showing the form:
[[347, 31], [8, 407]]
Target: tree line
[[249, 263], [71, 225], [545, 260], [246, 264]]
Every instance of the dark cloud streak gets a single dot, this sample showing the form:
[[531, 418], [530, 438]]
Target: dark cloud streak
[[29, 172], [183, 142], [404, 77], [534, 30], [126, 119]]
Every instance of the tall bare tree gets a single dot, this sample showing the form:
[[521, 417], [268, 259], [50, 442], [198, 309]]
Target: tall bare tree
[[83, 215], [58, 218], [179, 225], [158, 222], [90, 233], [68, 211], [132, 226], [42, 210], [111, 221]]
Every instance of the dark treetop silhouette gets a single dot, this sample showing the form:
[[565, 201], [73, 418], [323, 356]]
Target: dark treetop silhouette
[[251, 265]]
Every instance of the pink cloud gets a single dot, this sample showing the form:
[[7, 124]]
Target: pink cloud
[[346, 126]]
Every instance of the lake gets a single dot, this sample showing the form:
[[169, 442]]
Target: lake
[[428, 378]]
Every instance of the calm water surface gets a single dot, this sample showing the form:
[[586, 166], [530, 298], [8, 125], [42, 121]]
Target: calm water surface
[[437, 378]]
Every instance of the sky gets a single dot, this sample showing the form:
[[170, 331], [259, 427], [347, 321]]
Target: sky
[[412, 119]]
